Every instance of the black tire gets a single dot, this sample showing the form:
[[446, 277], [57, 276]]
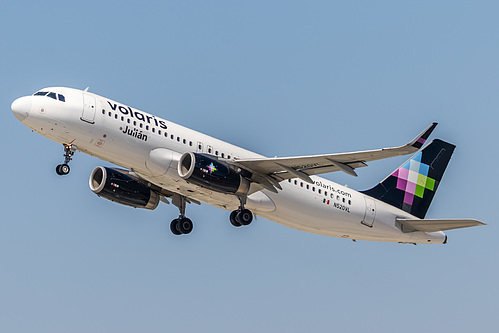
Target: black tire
[[233, 220], [62, 169], [185, 225], [244, 217], [173, 227], [65, 169]]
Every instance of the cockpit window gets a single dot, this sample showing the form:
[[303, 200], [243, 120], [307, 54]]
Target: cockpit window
[[51, 95]]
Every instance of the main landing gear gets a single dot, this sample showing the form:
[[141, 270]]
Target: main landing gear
[[181, 225], [241, 216], [63, 169]]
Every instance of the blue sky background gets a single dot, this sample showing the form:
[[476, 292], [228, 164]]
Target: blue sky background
[[281, 78]]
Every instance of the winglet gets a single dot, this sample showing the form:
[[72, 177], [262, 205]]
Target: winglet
[[419, 141]]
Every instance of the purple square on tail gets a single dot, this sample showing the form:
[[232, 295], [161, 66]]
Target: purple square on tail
[[408, 198], [401, 184]]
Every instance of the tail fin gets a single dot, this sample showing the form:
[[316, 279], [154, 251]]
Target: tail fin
[[412, 186]]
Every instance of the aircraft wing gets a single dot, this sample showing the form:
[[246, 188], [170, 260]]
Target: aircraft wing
[[268, 172], [409, 225]]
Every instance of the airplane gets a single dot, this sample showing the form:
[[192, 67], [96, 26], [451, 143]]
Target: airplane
[[160, 161]]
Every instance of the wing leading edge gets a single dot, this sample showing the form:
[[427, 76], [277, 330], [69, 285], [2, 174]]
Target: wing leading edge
[[268, 172]]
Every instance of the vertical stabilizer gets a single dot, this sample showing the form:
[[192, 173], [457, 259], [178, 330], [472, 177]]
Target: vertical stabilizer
[[412, 186]]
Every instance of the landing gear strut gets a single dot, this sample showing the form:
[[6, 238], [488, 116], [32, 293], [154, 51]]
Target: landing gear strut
[[63, 169], [241, 216], [181, 225]]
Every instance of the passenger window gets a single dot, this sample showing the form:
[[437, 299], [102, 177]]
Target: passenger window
[[223, 156], [319, 191], [184, 141], [154, 130], [52, 95], [140, 125], [325, 193], [228, 157], [62, 98], [128, 120], [190, 143], [178, 139], [301, 184], [115, 116], [296, 183], [313, 189], [147, 127]]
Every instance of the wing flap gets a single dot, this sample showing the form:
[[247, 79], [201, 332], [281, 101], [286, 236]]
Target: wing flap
[[427, 225]]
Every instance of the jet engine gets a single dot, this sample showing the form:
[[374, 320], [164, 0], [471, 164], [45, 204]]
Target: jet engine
[[209, 172], [122, 188]]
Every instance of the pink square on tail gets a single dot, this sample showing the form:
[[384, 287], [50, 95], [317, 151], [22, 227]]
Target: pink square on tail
[[411, 188], [403, 173]]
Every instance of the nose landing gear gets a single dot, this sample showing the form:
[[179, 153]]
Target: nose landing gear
[[63, 169]]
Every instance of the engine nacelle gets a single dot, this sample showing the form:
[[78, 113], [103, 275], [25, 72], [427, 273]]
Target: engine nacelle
[[212, 174], [124, 189]]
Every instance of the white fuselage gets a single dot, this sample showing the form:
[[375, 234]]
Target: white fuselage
[[129, 137]]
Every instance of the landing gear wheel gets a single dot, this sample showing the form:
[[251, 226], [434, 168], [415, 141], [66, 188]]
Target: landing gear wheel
[[62, 169], [181, 225], [184, 225], [244, 217], [233, 220], [173, 227]]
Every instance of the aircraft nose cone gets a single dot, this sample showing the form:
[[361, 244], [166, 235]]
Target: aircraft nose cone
[[21, 107]]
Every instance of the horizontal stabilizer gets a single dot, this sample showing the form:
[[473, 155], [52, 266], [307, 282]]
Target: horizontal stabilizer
[[436, 225]]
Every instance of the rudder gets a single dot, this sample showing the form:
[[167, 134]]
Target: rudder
[[412, 186]]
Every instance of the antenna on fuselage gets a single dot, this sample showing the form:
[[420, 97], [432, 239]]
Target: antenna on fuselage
[[86, 89]]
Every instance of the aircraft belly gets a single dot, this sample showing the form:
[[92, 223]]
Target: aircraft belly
[[313, 214]]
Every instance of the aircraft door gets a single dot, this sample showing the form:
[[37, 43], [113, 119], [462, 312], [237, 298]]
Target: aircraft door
[[370, 212], [88, 114]]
